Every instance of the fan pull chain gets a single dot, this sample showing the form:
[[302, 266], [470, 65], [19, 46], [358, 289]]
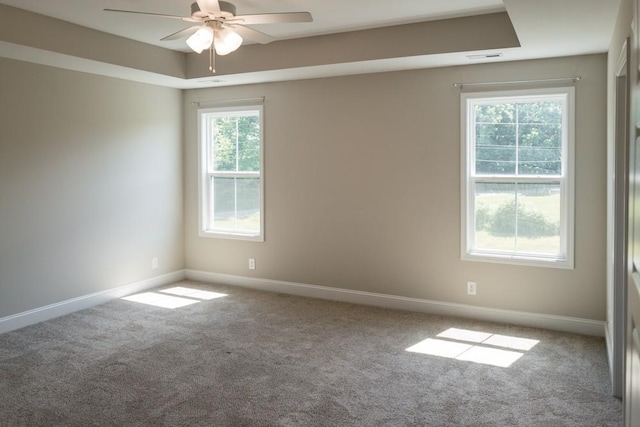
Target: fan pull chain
[[212, 60]]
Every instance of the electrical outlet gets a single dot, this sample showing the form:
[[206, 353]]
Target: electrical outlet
[[154, 263], [471, 288], [252, 264]]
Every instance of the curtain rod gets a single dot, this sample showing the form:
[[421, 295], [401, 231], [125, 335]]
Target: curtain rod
[[561, 79], [229, 101]]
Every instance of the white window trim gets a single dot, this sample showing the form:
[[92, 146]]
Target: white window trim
[[567, 183], [204, 191]]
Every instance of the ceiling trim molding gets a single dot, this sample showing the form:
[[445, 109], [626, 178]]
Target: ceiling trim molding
[[468, 34], [22, 28]]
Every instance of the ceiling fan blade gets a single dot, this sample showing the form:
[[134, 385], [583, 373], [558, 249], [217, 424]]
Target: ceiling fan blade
[[161, 15], [272, 18], [251, 34], [210, 7], [182, 33]]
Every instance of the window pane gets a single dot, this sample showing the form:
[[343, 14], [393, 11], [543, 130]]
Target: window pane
[[495, 149], [248, 204], [225, 138], [518, 138], [495, 139], [495, 226], [236, 142], [495, 113], [236, 204], [539, 138], [224, 203], [539, 149], [539, 218], [549, 112], [518, 218], [249, 143]]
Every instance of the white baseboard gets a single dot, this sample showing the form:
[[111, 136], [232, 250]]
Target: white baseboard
[[535, 320], [26, 318]]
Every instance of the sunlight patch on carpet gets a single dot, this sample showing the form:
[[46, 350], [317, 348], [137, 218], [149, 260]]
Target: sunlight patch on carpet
[[193, 293], [440, 348], [160, 300], [485, 348], [175, 297]]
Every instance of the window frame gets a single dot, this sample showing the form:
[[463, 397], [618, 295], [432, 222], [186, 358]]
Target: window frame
[[469, 179], [205, 190]]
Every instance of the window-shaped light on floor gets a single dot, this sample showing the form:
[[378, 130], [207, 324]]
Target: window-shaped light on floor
[[160, 300], [175, 297], [475, 346], [440, 348], [193, 293]]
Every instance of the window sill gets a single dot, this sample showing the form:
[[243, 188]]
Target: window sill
[[231, 236], [523, 260]]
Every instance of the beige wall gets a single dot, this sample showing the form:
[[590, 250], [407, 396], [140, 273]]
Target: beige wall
[[90, 184], [363, 189]]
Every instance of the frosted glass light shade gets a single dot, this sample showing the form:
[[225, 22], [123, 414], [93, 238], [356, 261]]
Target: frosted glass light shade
[[226, 41], [201, 39]]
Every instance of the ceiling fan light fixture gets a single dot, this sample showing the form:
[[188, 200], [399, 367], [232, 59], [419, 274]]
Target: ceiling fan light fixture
[[220, 30], [201, 39], [226, 41]]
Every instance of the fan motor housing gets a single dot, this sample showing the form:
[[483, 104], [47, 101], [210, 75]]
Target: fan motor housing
[[227, 10]]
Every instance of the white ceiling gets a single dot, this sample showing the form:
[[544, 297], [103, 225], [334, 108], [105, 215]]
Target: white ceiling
[[545, 28]]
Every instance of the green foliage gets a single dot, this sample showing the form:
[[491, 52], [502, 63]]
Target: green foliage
[[526, 134], [506, 221], [483, 216], [237, 143]]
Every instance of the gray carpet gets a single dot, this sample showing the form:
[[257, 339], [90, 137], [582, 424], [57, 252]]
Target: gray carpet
[[262, 359]]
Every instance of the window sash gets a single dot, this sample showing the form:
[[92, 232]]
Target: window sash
[[241, 225], [472, 204], [470, 131]]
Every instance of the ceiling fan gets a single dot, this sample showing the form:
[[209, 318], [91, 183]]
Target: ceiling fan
[[221, 30]]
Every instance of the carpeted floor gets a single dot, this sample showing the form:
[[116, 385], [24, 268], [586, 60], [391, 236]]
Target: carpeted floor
[[254, 358]]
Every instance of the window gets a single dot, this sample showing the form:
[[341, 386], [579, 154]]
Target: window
[[517, 183], [231, 164]]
